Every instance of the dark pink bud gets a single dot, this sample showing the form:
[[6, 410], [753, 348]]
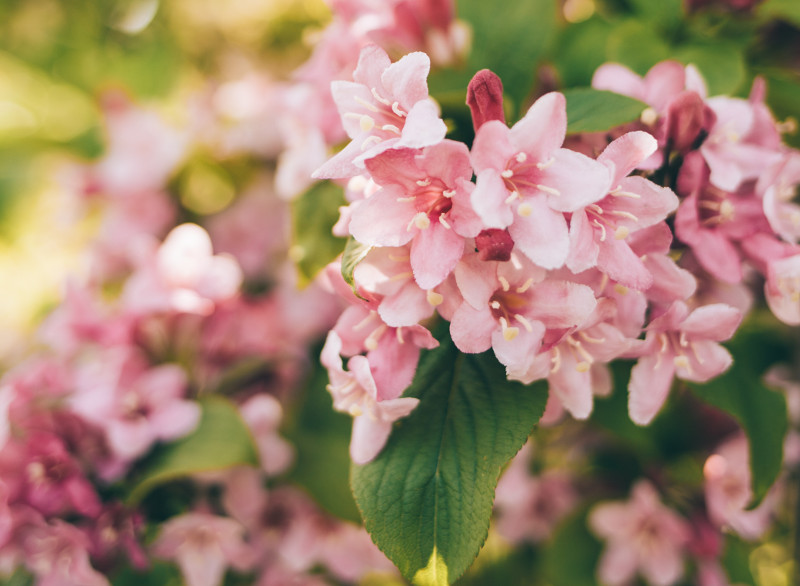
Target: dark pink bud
[[687, 118], [485, 98], [494, 244]]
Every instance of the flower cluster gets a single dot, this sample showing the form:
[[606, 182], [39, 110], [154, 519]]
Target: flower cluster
[[556, 260]]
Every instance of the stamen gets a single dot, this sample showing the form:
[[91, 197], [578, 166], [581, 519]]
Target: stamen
[[356, 411], [525, 209], [366, 104], [595, 208], [619, 193], [406, 199], [514, 195], [370, 141], [507, 174], [590, 339], [521, 157], [420, 220], [602, 228], [398, 110], [399, 257], [401, 276], [371, 342], [434, 298], [378, 97], [525, 286], [504, 282], [621, 289], [391, 128], [448, 193], [423, 182], [550, 190], [682, 361], [524, 321], [583, 366], [624, 214], [546, 164], [649, 116], [509, 333], [366, 123], [442, 221], [555, 359], [365, 321], [622, 233], [399, 333]]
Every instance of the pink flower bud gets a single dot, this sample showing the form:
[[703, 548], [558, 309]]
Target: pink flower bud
[[687, 119], [485, 98]]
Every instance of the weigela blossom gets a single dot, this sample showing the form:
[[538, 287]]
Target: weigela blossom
[[642, 536], [386, 106], [526, 181], [683, 344]]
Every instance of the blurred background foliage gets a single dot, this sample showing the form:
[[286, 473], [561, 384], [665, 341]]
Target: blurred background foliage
[[58, 57]]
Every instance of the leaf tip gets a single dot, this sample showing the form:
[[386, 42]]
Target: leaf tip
[[434, 574]]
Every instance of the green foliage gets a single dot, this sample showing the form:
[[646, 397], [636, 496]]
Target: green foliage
[[158, 574], [760, 411], [572, 554], [735, 559], [510, 41], [354, 253], [722, 65], [788, 10], [591, 110], [427, 498], [221, 440], [314, 214], [321, 437]]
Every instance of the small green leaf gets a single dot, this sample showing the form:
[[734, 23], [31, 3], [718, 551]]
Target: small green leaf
[[354, 253], [427, 498], [314, 214], [591, 110], [721, 64], [788, 10], [760, 411], [221, 440]]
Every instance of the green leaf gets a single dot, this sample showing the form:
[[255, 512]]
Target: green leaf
[[159, 573], [721, 64], [788, 10], [427, 498], [760, 411], [578, 52], [637, 45], [221, 440], [735, 559], [314, 214], [510, 41], [591, 110], [321, 437], [354, 253], [571, 556]]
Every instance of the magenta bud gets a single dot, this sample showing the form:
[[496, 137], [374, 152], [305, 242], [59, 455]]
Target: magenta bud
[[494, 244], [485, 98], [688, 117]]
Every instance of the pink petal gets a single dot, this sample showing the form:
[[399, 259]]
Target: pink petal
[[579, 181], [706, 360], [423, 126], [542, 236], [434, 254], [542, 130], [625, 153], [368, 438], [713, 322], [382, 220], [406, 80], [492, 148], [472, 329], [651, 379], [489, 199]]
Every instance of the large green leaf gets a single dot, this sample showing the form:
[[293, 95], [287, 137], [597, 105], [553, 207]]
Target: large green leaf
[[636, 44], [221, 440], [427, 498], [760, 411], [314, 214], [591, 110], [721, 64], [788, 10]]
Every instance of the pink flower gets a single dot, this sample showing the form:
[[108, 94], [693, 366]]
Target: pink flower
[[203, 545], [424, 200], [682, 344], [526, 181], [782, 289], [263, 414], [386, 106], [599, 231], [57, 553], [356, 393], [182, 275], [728, 491], [643, 536], [777, 187]]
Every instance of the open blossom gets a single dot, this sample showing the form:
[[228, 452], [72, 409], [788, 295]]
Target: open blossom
[[682, 344], [354, 391], [204, 545], [424, 199], [526, 181], [182, 275], [599, 231], [386, 106], [642, 536], [728, 491]]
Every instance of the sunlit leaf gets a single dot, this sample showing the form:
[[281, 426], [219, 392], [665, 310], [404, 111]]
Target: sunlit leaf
[[591, 110], [427, 498]]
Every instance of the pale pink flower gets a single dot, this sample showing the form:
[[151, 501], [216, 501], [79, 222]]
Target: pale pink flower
[[526, 181], [424, 200], [57, 554], [528, 507], [642, 536], [136, 405], [782, 289], [682, 344], [349, 554], [263, 415], [204, 546], [728, 491], [386, 106], [182, 275], [356, 393], [777, 186], [598, 232]]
